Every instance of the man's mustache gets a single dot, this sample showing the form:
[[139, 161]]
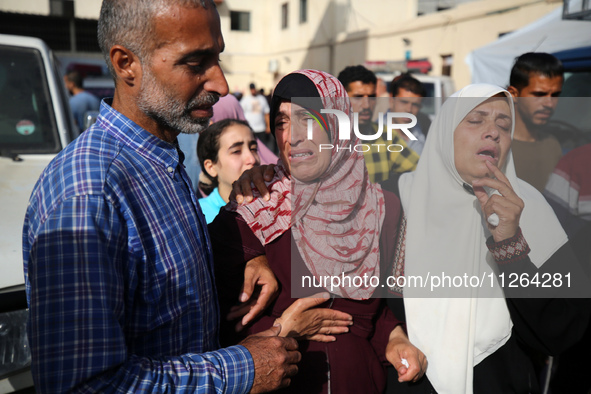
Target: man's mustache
[[204, 100]]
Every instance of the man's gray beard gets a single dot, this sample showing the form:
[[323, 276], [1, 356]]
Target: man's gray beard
[[168, 111]]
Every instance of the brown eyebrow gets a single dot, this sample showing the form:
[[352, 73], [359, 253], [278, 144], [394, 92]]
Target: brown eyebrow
[[236, 144], [199, 53], [301, 112], [543, 91], [240, 143], [485, 113], [282, 113]]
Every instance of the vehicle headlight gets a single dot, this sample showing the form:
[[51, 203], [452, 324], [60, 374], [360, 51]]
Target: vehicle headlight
[[15, 353]]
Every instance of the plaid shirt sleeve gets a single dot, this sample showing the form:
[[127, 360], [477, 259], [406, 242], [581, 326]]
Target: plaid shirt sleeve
[[77, 312], [381, 161], [403, 161]]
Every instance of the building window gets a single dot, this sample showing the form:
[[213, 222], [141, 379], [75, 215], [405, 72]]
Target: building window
[[447, 62], [240, 20], [63, 8], [284, 15], [303, 11]]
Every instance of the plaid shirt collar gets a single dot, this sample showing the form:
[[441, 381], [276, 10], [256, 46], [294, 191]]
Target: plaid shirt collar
[[137, 138]]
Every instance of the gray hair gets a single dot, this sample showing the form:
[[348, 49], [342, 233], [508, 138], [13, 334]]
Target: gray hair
[[129, 23]]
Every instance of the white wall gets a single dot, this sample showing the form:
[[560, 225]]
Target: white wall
[[40, 7], [88, 9], [346, 32]]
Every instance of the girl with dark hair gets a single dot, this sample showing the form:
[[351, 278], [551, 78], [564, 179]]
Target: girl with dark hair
[[225, 149]]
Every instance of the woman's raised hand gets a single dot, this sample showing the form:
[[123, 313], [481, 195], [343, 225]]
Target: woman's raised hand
[[304, 320], [508, 206]]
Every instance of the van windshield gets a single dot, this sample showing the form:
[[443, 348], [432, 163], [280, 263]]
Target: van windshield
[[27, 120], [429, 101]]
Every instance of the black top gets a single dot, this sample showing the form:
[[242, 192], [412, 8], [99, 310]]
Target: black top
[[547, 326]]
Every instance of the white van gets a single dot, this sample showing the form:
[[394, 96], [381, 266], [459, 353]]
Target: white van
[[35, 124], [437, 88]]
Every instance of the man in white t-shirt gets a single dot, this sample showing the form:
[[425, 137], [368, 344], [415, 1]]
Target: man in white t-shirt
[[256, 111]]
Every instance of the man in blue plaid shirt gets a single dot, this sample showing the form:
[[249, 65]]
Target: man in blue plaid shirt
[[118, 263]]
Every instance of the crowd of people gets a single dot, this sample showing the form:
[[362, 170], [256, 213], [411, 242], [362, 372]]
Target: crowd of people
[[156, 261]]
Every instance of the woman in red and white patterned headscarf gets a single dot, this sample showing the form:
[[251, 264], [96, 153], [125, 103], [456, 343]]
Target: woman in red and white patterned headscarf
[[324, 219]]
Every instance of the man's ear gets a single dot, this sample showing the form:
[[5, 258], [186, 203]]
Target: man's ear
[[514, 92], [209, 167], [126, 64]]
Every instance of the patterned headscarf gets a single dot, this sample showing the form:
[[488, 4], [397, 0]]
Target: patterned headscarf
[[335, 220]]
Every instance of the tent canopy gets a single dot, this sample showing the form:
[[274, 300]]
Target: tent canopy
[[492, 63]]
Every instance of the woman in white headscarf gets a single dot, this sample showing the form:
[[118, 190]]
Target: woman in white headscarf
[[472, 335]]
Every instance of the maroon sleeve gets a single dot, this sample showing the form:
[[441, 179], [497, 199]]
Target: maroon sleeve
[[509, 250], [385, 323]]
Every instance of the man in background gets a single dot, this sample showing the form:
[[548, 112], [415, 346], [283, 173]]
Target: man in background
[[383, 102], [407, 93], [535, 83], [81, 101], [381, 162], [256, 111]]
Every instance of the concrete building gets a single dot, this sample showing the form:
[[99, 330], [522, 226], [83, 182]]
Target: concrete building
[[337, 33], [85, 9], [266, 39]]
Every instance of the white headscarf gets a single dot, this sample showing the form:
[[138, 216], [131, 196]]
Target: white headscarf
[[445, 227]]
